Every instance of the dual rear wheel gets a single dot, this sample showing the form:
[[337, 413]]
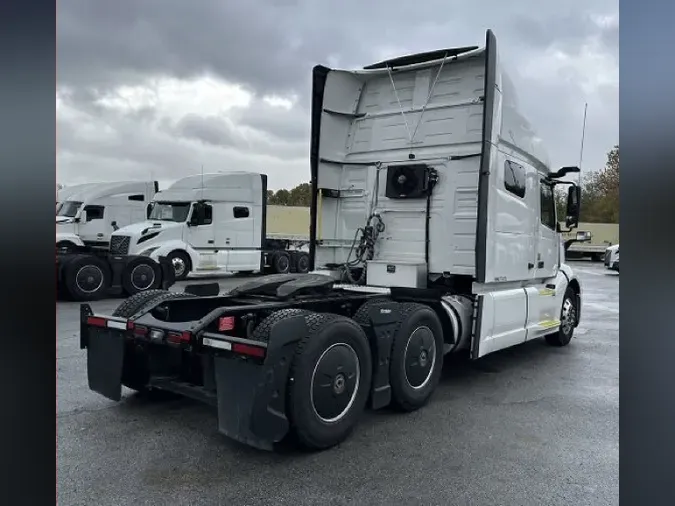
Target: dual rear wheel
[[330, 377]]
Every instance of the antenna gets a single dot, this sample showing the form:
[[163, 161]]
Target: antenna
[[583, 136], [202, 182]]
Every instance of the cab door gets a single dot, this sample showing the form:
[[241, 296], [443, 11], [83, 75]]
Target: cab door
[[547, 246], [200, 235]]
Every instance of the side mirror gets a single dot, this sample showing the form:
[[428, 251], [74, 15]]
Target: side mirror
[[148, 210], [113, 224], [83, 216], [573, 206]]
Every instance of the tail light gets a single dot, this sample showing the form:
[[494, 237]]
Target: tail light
[[98, 321], [179, 337]]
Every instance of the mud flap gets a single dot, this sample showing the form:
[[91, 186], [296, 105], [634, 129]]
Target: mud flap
[[105, 357], [252, 397], [168, 273], [384, 320]]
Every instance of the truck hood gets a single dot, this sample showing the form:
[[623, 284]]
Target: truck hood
[[140, 227], [613, 248], [63, 219], [65, 227], [143, 228]]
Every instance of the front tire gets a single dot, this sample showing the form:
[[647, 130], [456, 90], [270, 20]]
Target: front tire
[[329, 381], [181, 264], [568, 321]]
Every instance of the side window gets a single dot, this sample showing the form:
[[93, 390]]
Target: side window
[[137, 198], [94, 212], [241, 212], [208, 215], [514, 178], [547, 205]]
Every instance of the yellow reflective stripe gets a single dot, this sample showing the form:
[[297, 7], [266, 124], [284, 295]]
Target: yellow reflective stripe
[[546, 291], [549, 323]]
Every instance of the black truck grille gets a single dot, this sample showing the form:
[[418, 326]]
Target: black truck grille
[[119, 244]]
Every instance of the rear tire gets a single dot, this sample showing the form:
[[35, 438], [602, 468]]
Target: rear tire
[[281, 262], [416, 357], [141, 274], [135, 372], [86, 277], [329, 382], [568, 319], [302, 263], [133, 304]]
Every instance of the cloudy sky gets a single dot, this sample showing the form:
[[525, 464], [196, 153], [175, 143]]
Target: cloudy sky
[[163, 87]]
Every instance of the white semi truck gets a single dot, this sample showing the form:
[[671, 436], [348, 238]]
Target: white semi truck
[[433, 230], [214, 224], [89, 213], [86, 216], [63, 192]]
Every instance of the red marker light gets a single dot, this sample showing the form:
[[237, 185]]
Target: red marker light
[[245, 349], [225, 323], [95, 321]]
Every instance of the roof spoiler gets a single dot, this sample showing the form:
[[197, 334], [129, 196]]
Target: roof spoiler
[[412, 59]]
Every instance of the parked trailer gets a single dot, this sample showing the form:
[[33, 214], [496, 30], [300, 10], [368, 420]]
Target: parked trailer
[[419, 247], [218, 223], [599, 237]]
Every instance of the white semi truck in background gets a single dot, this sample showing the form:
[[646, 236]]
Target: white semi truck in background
[[63, 192], [218, 223], [433, 230], [86, 216], [89, 213]]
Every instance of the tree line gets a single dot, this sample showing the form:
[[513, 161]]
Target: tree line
[[599, 194]]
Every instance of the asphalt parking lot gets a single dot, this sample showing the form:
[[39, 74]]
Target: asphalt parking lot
[[531, 425]]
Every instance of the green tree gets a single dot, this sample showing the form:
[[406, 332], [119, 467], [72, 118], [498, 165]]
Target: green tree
[[600, 192], [300, 196]]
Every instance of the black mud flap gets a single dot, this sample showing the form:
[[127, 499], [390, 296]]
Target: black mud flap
[[384, 320], [252, 397], [105, 357], [168, 273]]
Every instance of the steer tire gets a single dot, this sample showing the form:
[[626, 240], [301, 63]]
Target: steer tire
[[86, 277], [568, 315], [329, 381], [182, 260], [141, 274]]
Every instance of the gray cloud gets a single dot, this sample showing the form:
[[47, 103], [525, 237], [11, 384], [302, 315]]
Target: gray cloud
[[270, 46]]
